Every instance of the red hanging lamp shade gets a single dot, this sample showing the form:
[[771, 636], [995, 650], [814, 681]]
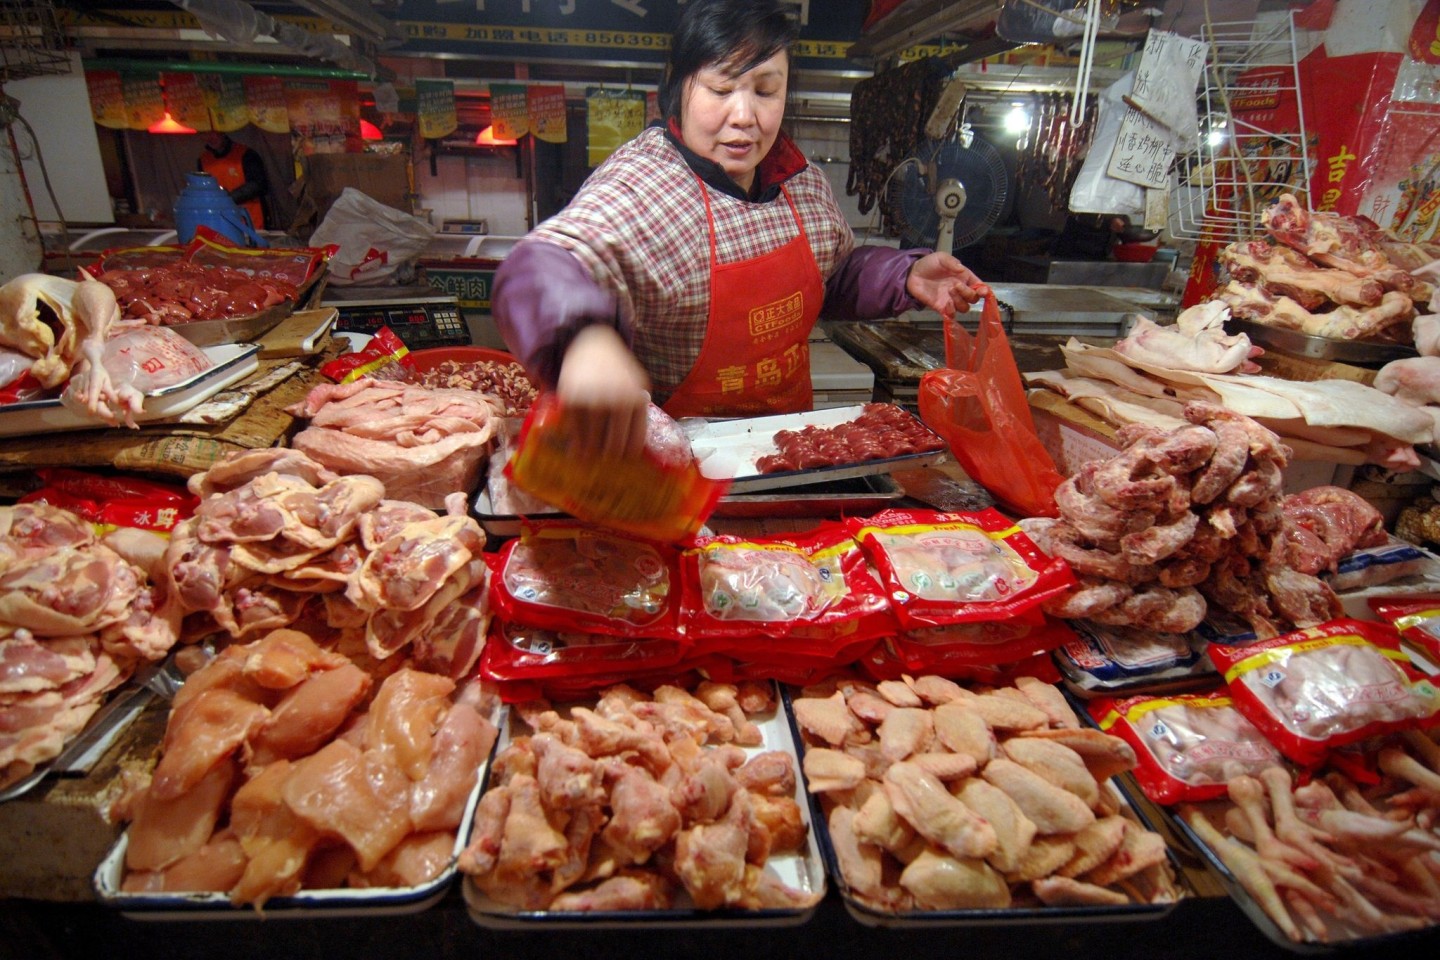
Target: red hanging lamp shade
[[368, 131], [169, 125], [486, 138]]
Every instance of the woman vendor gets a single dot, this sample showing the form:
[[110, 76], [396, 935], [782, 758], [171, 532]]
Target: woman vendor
[[694, 261]]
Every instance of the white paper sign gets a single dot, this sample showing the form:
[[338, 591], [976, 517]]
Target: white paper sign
[[1164, 90]]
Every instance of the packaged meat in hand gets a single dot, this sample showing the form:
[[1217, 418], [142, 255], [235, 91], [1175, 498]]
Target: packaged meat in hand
[[567, 576], [1188, 746], [944, 568], [779, 586], [660, 494], [1315, 689]]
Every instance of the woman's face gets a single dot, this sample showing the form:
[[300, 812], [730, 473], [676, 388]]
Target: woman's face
[[732, 119]]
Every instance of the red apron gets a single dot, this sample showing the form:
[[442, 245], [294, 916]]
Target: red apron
[[229, 172], [755, 359]]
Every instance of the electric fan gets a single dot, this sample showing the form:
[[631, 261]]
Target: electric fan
[[949, 193]]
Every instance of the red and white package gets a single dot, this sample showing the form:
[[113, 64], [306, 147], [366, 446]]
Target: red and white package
[[1187, 746], [384, 357], [149, 359], [981, 643], [515, 652], [815, 583], [942, 568], [1416, 616], [109, 502], [566, 576], [1315, 689]]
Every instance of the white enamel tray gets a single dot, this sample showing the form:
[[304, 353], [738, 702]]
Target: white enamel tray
[[803, 871], [232, 362]]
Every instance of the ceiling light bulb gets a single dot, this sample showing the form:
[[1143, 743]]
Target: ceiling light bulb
[[1017, 120]]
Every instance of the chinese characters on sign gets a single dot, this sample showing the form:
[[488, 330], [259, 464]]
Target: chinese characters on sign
[[509, 110], [435, 104], [1165, 91], [611, 117]]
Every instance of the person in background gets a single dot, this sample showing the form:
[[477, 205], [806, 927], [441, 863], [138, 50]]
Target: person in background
[[694, 261], [240, 172]]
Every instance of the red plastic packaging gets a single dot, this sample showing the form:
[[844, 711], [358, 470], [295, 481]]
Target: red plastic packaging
[[568, 576], [1416, 616], [109, 502], [814, 585], [385, 357], [1187, 746], [516, 652], [662, 497], [1312, 690], [942, 568], [981, 644]]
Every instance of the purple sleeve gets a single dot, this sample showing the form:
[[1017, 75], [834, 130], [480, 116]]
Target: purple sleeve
[[870, 284], [543, 296]]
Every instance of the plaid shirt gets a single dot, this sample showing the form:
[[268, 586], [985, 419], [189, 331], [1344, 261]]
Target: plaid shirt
[[638, 225]]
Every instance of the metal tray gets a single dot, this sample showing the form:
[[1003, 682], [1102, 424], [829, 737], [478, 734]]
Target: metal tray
[[728, 449], [232, 362], [1365, 352], [358, 902], [1392, 942], [99, 733], [209, 333], [832, 498], [803, 871], [1002, 916]]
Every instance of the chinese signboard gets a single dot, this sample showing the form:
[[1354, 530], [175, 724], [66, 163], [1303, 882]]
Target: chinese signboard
[[614, 30]]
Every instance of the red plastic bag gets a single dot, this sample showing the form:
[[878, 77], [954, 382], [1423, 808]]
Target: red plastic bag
[[978, 405]]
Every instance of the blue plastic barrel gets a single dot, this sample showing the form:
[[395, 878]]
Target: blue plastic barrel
[[204, 201]]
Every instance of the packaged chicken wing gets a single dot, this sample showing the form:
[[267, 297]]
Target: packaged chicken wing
[[1318, 688], [1188, 746], [815, 584], [563, 575], [944, 568]]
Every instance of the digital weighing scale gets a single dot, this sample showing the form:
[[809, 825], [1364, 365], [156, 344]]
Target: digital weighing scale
[[419, 315]]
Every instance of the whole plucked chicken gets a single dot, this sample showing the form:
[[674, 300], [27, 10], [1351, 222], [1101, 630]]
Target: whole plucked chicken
[[72, 344]]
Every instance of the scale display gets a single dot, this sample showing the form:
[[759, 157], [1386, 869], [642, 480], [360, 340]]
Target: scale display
[[418, 324]]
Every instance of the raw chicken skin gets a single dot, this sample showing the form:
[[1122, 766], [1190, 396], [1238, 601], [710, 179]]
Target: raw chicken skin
[[936, 815]]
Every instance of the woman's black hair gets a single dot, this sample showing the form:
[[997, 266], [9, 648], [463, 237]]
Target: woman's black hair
[[740, 34]]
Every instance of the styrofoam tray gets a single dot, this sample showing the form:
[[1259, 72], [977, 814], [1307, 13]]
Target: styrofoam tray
[[996, 916], [801, 871], [231, 362], [728, 450], [368, 901]]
